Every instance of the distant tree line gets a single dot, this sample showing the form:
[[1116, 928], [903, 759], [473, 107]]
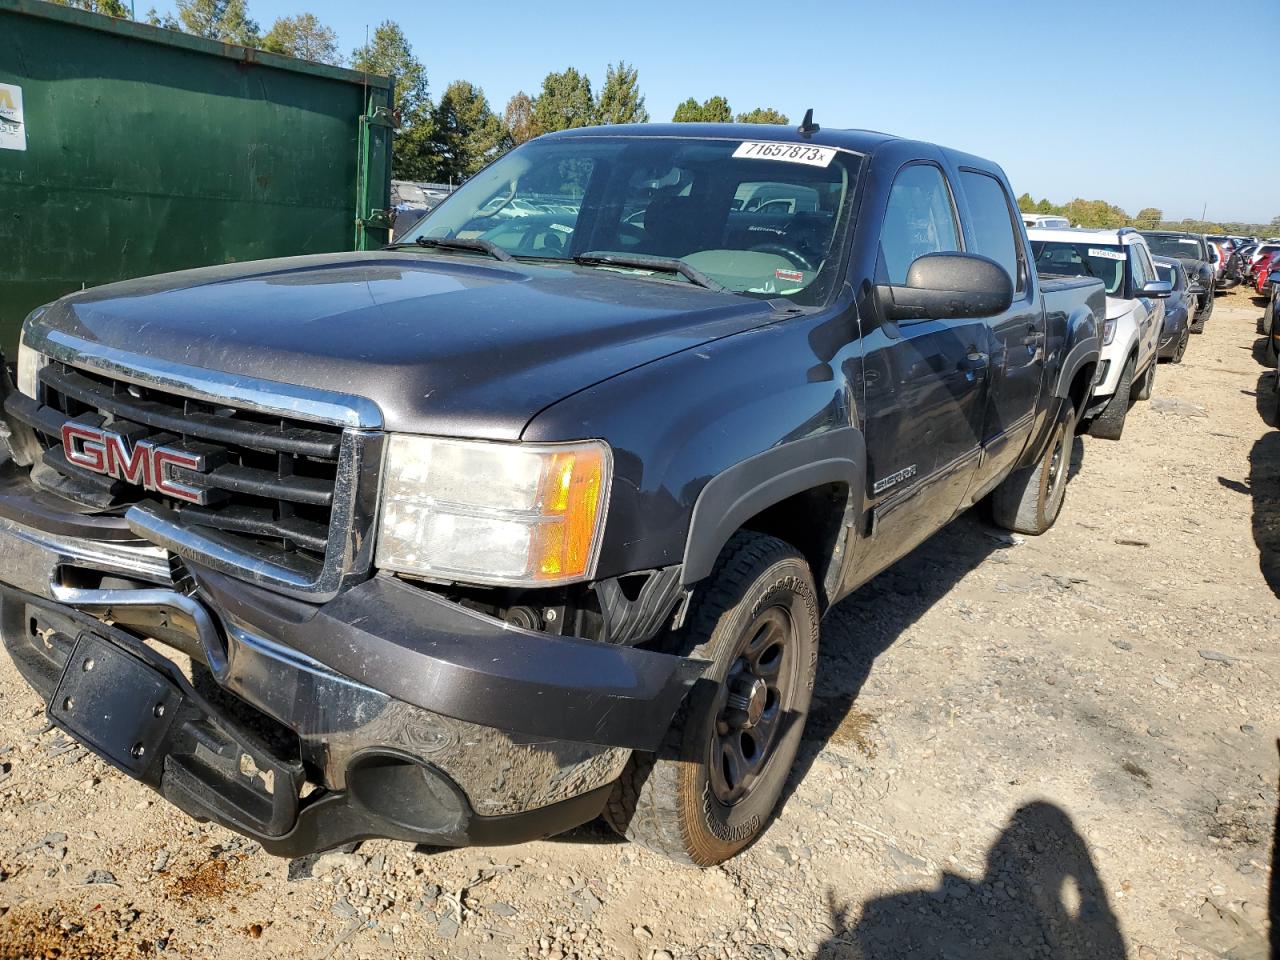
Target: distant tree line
[[1102, 215], [450, 138]]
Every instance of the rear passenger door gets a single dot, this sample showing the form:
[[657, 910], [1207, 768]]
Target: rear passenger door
[[925, 380], [1017, 335]]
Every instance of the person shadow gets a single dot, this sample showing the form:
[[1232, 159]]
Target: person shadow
[[1039, 897]]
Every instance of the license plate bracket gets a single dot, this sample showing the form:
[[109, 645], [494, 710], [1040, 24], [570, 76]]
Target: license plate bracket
[[117, 705]]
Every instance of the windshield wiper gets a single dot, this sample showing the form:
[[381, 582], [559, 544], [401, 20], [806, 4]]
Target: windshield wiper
[[642, 262], [458, 243]]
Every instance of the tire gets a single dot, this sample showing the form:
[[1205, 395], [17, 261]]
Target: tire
[[1147, 385], [1109, 424], [1181, 350], [688, 802], [1029, 500], [1196, 326]]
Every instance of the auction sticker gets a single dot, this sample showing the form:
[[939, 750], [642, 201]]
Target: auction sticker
[[786, 152], [13, 133], [1106, 254]]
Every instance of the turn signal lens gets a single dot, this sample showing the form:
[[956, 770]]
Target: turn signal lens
[[476, 512]]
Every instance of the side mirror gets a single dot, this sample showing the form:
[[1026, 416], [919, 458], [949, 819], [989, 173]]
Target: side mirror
[[1156, 289], [949, 286]]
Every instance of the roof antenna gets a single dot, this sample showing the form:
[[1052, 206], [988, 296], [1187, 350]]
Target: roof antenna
[[807, 127]]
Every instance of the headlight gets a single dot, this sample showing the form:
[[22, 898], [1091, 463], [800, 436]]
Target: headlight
[[495, 513], [1108, 332], [30, 362]]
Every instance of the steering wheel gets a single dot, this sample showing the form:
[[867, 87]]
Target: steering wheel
[[782, 250]]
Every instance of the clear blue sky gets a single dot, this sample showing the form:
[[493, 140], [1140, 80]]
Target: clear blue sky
[[1124, 100]]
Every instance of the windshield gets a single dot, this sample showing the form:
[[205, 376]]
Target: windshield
[[1106, 262], [759, 219], [1181, 247]]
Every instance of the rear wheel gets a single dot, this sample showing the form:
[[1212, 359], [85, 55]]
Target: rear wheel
[[1109, 424], [1029, 500], [713, 788]]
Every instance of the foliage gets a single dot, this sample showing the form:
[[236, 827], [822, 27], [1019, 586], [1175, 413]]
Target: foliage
[[466, 133], [111, 8], [620, 100], [763, 115], [1148, 215], [564, 103], [1103, 215], [304, 37], [224, 20], [389, 53], [518, 118], [712, 110]]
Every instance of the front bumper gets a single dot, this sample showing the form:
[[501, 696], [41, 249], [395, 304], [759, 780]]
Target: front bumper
[[407, 716]]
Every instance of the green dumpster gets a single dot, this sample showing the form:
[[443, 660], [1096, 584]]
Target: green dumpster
[[128, 150]]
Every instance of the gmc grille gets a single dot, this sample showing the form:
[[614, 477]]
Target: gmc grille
[[273, 484]]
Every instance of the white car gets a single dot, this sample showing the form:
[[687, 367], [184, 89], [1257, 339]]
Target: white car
[[1044, 220], [1135, 313]]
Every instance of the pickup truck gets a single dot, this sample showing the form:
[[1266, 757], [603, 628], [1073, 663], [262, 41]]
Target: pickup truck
[[1134, 313], [532, 517]]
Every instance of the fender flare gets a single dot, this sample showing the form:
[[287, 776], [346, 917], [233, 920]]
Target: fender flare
[[752, 485], [1084, 345]]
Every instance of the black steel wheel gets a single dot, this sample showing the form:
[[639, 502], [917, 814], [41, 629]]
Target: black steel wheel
[[712, 789]]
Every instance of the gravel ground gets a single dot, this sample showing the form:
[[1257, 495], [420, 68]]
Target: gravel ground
[[1060, 747]]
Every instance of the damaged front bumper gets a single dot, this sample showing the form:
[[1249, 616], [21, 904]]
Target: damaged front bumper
[[386, 712]]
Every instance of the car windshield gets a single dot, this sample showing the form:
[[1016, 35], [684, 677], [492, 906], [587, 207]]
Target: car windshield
[[1061, 259], [762, 219], [1183, 247]]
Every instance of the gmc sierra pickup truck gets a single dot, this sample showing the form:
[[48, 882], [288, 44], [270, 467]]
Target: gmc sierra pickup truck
[[533, 516]]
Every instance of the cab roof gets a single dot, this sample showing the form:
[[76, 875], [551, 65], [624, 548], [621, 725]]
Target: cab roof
[[859, 141], [1120, 235]]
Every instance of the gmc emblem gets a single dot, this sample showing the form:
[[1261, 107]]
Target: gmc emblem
[[143, 463]]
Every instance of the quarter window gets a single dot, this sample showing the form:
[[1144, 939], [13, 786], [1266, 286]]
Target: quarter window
[[919, 219], [992, 222]]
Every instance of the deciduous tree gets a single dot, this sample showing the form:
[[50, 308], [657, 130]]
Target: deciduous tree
[[304, 37], [224, 20], [112, 8], [564, 103], [763, 115], [712, 110], [518, 118], [620, 99], [1149, 216]]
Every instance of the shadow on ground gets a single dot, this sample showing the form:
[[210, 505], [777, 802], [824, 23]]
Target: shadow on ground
[[1039, 897], [871, 619]]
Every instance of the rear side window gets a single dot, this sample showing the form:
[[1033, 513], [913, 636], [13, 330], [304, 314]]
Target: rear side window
[[919, 219], [992, 222]]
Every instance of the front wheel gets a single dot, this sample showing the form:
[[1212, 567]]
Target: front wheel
[[1181, 350], [712, 789], [1147, 385], [1109, 424], [1029, 500]]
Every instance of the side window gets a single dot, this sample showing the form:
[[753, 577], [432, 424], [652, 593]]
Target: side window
[[993, 231], [918, 220], [1143, 271]]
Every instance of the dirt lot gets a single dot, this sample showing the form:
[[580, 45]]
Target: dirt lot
[[1060, 747]]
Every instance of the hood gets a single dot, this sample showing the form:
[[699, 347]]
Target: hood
[[1118, 307], [443, 344]]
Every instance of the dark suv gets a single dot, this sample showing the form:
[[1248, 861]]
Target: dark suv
[[1193, 250]]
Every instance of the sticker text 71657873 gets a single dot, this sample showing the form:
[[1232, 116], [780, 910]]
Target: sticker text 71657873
[[786, 152]]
